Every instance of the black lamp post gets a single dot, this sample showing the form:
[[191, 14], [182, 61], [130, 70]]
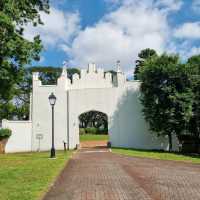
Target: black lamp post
[[52, 101]]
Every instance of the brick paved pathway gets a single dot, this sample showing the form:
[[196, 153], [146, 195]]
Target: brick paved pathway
[[97, 174]]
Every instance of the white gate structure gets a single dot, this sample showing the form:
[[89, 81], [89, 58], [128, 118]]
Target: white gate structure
[[92, 90]]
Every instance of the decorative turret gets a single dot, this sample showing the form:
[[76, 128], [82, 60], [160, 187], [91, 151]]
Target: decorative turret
[[121, 78], [64, 70], [63, 81], [35, 76], [91, 67], [118, 67], [36, 80]]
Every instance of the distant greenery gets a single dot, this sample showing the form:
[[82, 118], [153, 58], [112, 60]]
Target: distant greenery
[[93, 130], [28, 175], [49, 75], [156, 155], [92, 137], [93, 122], [5, 133], [170, 94]]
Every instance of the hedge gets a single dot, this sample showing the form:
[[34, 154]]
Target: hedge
[[5, 133], [93, 130]]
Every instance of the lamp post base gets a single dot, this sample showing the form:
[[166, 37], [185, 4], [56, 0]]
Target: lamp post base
[[53, 153]]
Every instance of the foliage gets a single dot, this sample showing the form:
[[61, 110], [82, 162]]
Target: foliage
[[5, 133], [193, 65], [81, 131], [49, 75], [29, 175], [94, 119], [93, 122], [93, 130], [92, 137], [15, 51], [166, 95], [143, 55], [161, 155]]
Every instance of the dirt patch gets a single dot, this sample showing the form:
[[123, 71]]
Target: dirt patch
[[93, 144]]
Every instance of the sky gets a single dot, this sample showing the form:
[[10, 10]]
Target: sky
[[104, 31]]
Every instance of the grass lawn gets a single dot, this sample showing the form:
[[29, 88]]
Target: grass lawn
[[27, 176], [93, 137], [157, 155]]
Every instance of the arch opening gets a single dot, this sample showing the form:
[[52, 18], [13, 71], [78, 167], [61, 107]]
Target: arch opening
[[93, 129]]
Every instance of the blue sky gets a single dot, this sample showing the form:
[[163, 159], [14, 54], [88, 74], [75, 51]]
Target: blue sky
[[104, 31]]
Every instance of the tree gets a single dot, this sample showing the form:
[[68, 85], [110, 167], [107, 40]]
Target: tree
[[49, 75], [193, 65], [93, 119], [143, 55], [166, 95], [15, 51]]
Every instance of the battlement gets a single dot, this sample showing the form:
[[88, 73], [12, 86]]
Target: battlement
[[91, 77]]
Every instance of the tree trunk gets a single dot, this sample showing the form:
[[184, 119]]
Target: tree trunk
[[170, 141]]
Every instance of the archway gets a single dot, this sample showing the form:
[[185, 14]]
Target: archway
[[93, 129]]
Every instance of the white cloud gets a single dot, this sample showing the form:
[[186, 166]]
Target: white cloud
[[164, 5], [127, 28], [169, 5], [190, 30], [193, 51], [58, 27], [184, 49], [120, 35], [196, 6]]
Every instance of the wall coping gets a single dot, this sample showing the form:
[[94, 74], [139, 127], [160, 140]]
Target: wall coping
[[16, 121]]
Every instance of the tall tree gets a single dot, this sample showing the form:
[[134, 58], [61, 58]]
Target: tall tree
[[166, 95], [15, 51], [193, 65], [143, 55]]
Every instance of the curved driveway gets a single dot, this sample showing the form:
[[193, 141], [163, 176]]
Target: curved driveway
[[97, 174]]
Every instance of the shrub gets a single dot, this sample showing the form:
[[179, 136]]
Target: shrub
[[103, 131], [81, 131], [91, 130], [5, 133]]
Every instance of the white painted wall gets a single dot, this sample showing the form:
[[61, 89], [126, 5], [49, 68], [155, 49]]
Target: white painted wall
[[41, 115], [20, 139], [127, 127], [93, 90]]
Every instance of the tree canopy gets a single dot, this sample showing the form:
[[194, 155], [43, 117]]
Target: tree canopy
[[193, 65], [93, 119], [143, 55], [167, 95], [15, 51]]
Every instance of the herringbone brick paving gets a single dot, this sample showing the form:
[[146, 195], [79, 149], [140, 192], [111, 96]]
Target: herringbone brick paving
[[97, 174]]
